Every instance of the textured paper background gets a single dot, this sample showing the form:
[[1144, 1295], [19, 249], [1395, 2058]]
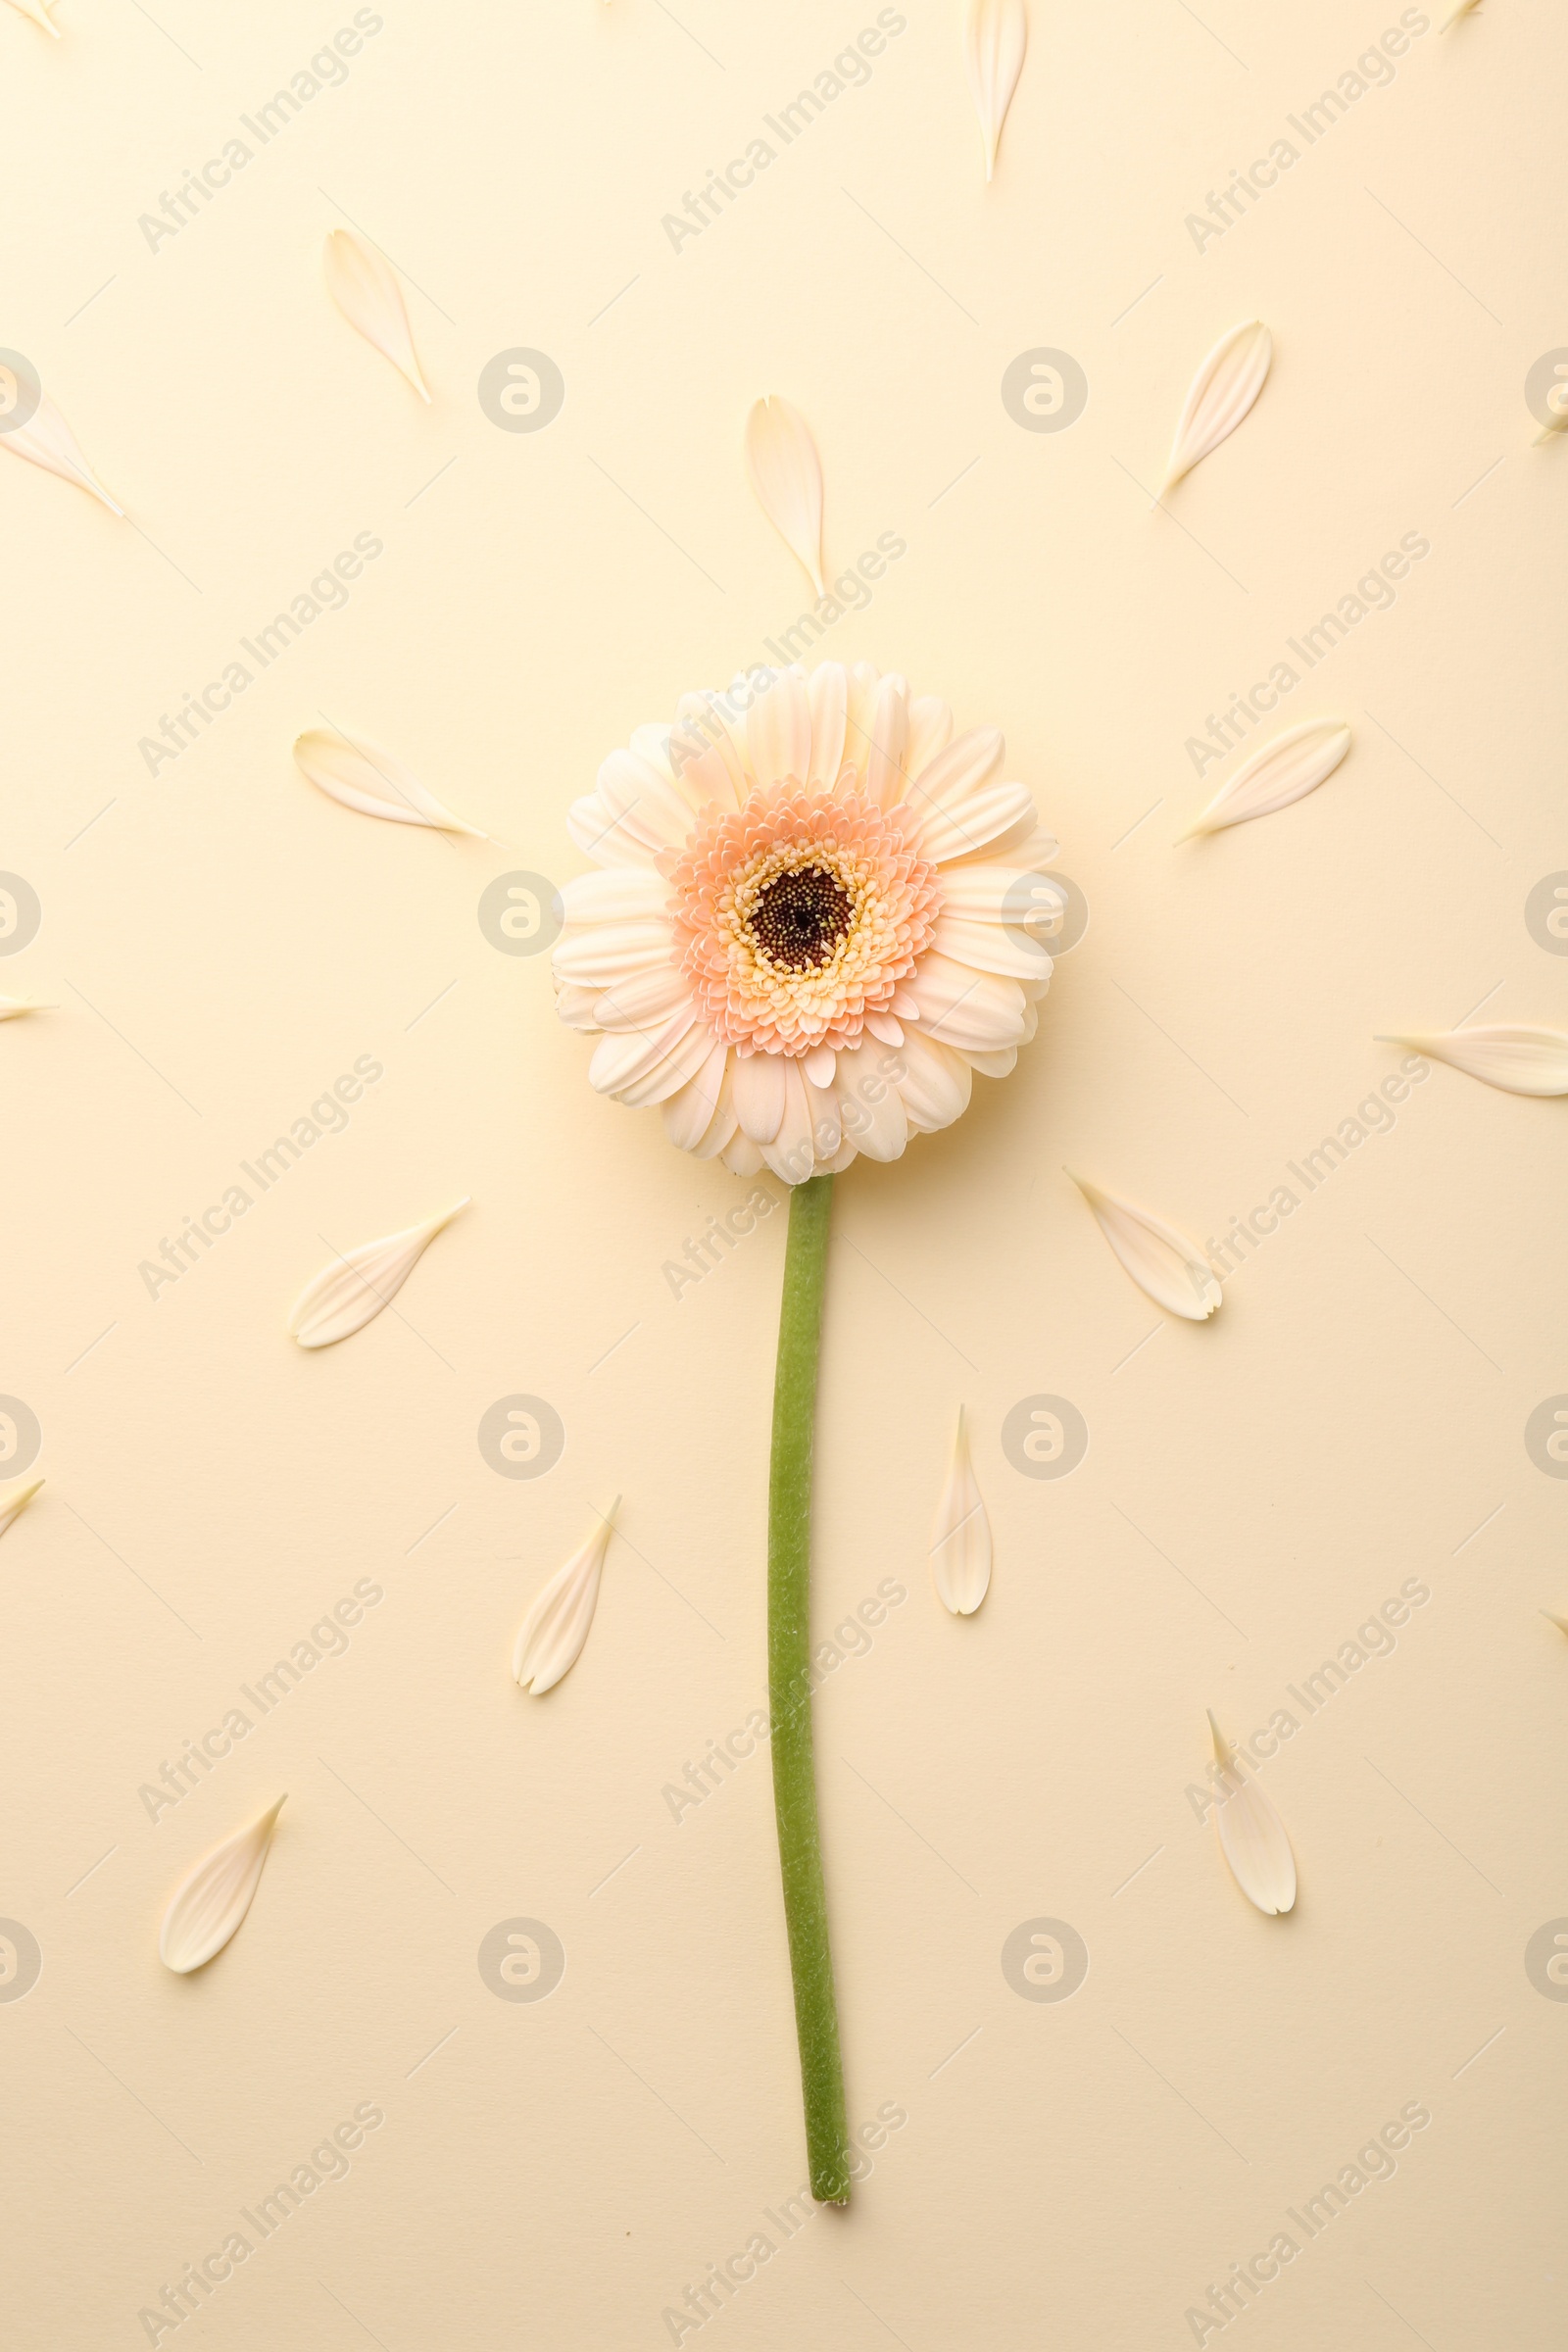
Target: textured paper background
[[222, 943]]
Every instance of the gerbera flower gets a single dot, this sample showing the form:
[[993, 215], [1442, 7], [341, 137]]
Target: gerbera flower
[[818, 915]]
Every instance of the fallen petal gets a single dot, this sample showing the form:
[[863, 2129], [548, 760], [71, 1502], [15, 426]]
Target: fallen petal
[[995, 34], [787, 476], [47, 440], [551, 1636], [363, 284], [1286, 769], [352, 1290], [1222, 392], [1519, 1060], [363, 776], [207, 1907], [1252, 1836], [15, 1498], [37, 10], [960, 1534], [1163, 1263]]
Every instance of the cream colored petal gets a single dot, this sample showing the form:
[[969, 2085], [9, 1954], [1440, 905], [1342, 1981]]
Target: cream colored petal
[[688, 1113], [976, 1011], [624, 1055], [1023, 842], [995, 33], [722, 1128], [353, 1290], [47, 440], [741, 1155], [1285, 770], [362, 775], [758, 1080], [1454, 14], [37, 10], [960, 1534], [600, 837], [1561, 1623], [11, 1009], [792, 1154], [778, 732], [1222, 392], [681, 1063], [551, 1636], [890, 733], [935, 1084], [991, 947], [15, 1498], [617, 894], [631, 793], [363, 284], [787, 476], [608, 954], [827, 1124], [1518, 1060], [1251, 1838], [703, 754], [828, 690], [995, 1065], [863, 683], [644, 1000], [208, 1906], [1163, 1263], [871, 1109]]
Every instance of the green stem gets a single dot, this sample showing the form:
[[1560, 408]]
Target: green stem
[[789, 1666]]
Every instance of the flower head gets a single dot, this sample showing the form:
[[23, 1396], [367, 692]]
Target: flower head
[[817, 914]]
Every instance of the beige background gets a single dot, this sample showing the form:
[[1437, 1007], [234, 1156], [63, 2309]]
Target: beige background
[[223, 942]]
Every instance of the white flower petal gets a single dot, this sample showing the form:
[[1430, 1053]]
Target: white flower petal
[[722, 1127], [792, 1153], [976, 1011], [991, 948], [827, 1125], [758, 1084], [679, 1065], [995, 33], [871, 1107], [820, 1064], [551, 1636], [623, 1056], [1285, 770], [936, 1083], [778, 731], [995, 1065], [863, 684], [47, 440], [617, 894], [703, 754], [363, 776], [960, 1535], [599, 837], [609, 954], [208, 1906], [688, 1113], [11, 1009], [643, 1001], [828, 690], [1222, 392], [890, 729], [37, 10], [636, 795], [787, 476], [363, 284], [15, 1498], [742, 1157], [353, 1290], [1252, 1836], [1164, 1263], [1519, 1060]]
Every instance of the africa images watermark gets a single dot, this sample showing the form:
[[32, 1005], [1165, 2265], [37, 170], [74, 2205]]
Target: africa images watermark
[[1246, 2280], [850, 70], [327, 69], [327, 593], [1373, 593], [199, 2281], [1373, 70], [327, 1115], [1373, 1115]]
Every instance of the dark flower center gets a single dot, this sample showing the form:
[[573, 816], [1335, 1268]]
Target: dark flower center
[[801, 918]]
